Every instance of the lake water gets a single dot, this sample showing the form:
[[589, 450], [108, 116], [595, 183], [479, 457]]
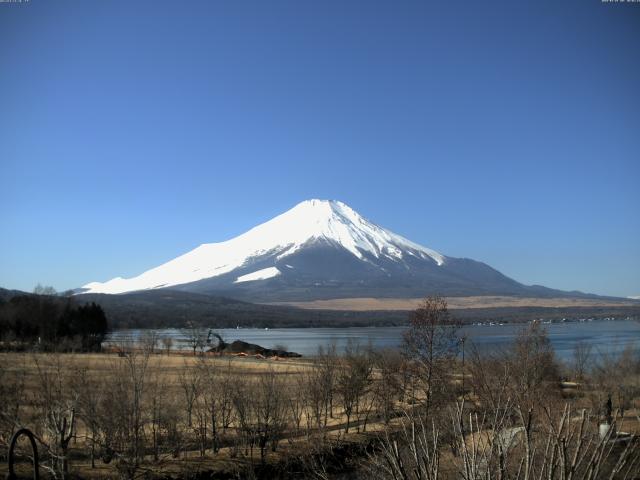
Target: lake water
[[607, 336]]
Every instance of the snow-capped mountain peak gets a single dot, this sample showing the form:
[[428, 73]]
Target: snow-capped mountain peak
[[336, 222], [309, 222]]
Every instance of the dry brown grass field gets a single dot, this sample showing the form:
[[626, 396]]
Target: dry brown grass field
[[180, 415], [367, 304], [169, 370]]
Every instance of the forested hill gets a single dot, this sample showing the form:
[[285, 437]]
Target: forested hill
[[50, 322]]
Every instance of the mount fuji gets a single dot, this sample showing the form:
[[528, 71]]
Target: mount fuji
[[321, 249]]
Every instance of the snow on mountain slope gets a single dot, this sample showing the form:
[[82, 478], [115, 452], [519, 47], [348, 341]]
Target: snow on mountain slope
[[309, 221], [263, 274]]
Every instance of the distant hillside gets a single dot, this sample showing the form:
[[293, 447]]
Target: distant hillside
[[167, 308], [176, 309], [7, 294]]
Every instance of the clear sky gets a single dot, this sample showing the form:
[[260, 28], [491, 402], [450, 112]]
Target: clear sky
[[504, 131]]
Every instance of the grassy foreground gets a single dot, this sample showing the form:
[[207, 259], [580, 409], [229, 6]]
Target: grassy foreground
[[144, 413]]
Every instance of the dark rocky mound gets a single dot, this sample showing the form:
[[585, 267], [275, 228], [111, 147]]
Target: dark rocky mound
[[239, 346]]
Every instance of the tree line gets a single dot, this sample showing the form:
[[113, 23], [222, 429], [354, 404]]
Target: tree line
[[49, 321]]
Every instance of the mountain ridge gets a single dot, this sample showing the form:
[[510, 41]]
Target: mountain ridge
[[321, 249]]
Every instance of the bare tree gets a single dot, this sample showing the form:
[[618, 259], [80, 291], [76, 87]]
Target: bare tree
[[353, 380], [12, 393], [204, 407], [217, 398], [552, 447], [149, 340], [167, 343], [314, 397], [615, 375], [224, 380], [44, 290], [190, 380], [387, 388], [581, 359], [123, 414], [170, 426], [296, 402], [243, 393], [270, 411], [260, 411], [326, 363], [209, 403], [57, 403], [157, 407], [90, 395], [196, 338], [535, 374], [431, 343], [319, 388], [491, 381]]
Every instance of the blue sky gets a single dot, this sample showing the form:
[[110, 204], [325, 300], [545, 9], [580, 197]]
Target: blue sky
[[507, 132]]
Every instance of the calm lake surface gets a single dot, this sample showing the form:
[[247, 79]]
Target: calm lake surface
[[606, 336]]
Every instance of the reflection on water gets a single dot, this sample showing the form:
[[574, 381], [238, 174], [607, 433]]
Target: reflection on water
[[605, 336]]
